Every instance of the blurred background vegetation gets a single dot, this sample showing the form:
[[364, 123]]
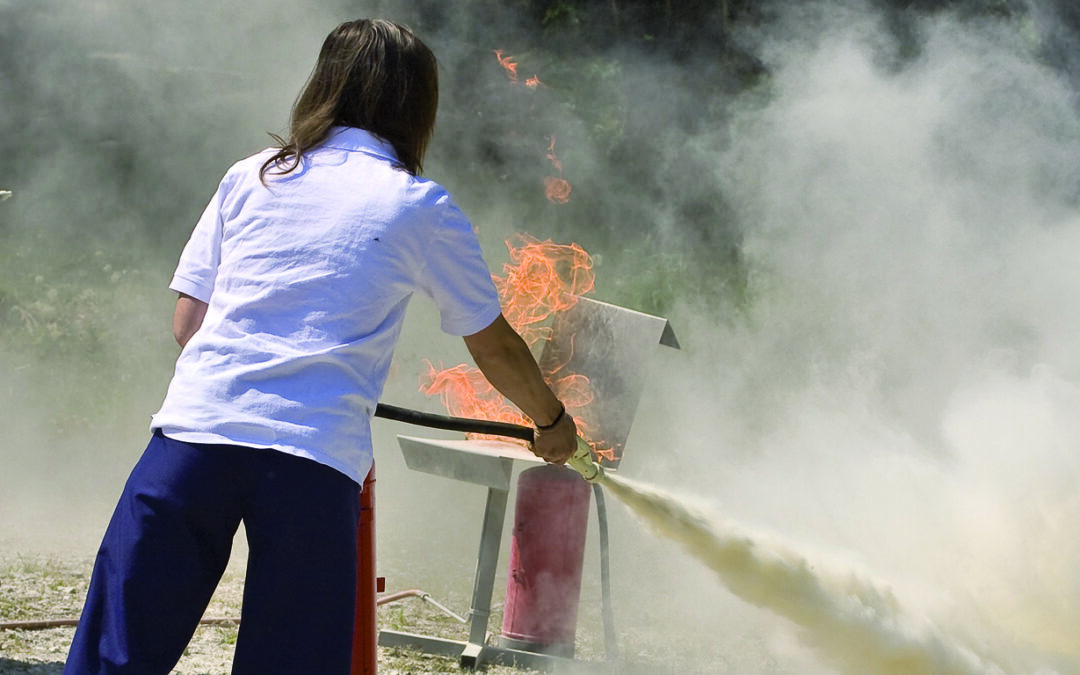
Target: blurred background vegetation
[[119, 117]]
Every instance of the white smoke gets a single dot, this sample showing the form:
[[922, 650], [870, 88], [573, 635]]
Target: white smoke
[[853, 620], [902, 387], [897, 390]]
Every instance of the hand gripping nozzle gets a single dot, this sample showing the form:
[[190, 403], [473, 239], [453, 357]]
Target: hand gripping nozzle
[[583, 462]]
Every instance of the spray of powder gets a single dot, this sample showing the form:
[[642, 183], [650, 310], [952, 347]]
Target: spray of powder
[[852, 620]]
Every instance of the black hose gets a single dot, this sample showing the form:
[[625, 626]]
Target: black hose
[[423, 419]]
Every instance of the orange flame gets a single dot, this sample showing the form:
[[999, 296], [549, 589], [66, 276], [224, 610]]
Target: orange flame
[[551, 155], [542, 278], [466, 393], [508, 64], [557, 190]]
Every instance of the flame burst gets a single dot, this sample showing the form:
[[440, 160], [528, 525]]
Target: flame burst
[[551, 155], [509, 65], [542, 278], [556, 188], [466, 392]]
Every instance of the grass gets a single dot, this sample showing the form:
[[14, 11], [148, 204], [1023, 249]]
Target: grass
[[33, 587], [42, 587], [227, 635]]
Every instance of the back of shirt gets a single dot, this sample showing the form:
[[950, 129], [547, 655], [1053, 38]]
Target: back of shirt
[[307, 282]]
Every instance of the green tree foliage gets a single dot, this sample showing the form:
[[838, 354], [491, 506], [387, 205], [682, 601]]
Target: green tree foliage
[[114, 139]]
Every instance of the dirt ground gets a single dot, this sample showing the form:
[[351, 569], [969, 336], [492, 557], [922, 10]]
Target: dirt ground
[[40, 587]]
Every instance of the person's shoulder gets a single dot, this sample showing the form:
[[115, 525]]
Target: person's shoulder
[[440, 209], [251, 163], [246, 169], [425, 192]]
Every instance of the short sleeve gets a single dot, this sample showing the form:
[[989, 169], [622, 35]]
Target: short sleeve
[[456, 275], [197, 269]]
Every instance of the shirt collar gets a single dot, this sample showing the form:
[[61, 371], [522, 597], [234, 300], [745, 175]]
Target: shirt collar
[[353, 139]]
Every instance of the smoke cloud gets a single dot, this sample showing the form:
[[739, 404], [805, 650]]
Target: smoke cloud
[[900, 392], [861, 221]]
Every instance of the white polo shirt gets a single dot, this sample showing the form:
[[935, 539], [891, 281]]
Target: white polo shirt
[[307, 283]]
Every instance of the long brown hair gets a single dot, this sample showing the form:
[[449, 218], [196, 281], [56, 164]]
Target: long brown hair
[[371, 74]]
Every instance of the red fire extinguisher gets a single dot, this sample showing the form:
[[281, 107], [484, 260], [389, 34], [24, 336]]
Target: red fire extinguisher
[[546, 557]]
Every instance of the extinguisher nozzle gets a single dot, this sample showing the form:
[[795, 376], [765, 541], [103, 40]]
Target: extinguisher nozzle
[[582, 461]]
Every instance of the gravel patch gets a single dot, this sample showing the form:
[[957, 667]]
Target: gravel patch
[[47, 587], [35, 588]]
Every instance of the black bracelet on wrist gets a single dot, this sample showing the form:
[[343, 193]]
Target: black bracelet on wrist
[[555, 422]]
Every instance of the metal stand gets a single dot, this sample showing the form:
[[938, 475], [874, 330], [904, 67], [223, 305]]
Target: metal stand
[[620, 341], [488, 463]]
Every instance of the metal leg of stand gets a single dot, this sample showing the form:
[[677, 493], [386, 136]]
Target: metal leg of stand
[[474, 652], [484, 584]]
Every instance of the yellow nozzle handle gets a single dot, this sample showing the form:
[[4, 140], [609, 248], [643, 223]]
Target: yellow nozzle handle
[[582, 462]]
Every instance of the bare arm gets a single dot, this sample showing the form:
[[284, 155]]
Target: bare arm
[[187, 318], [505, 360]]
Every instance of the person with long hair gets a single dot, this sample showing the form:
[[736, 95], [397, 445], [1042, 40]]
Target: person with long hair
[[292, 291]]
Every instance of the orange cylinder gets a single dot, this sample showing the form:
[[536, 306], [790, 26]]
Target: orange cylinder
[[365, 655], [546, 557]]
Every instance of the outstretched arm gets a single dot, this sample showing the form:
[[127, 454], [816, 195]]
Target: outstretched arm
[[505, 360]]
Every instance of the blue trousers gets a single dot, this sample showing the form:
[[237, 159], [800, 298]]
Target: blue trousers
[[169, 541]]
